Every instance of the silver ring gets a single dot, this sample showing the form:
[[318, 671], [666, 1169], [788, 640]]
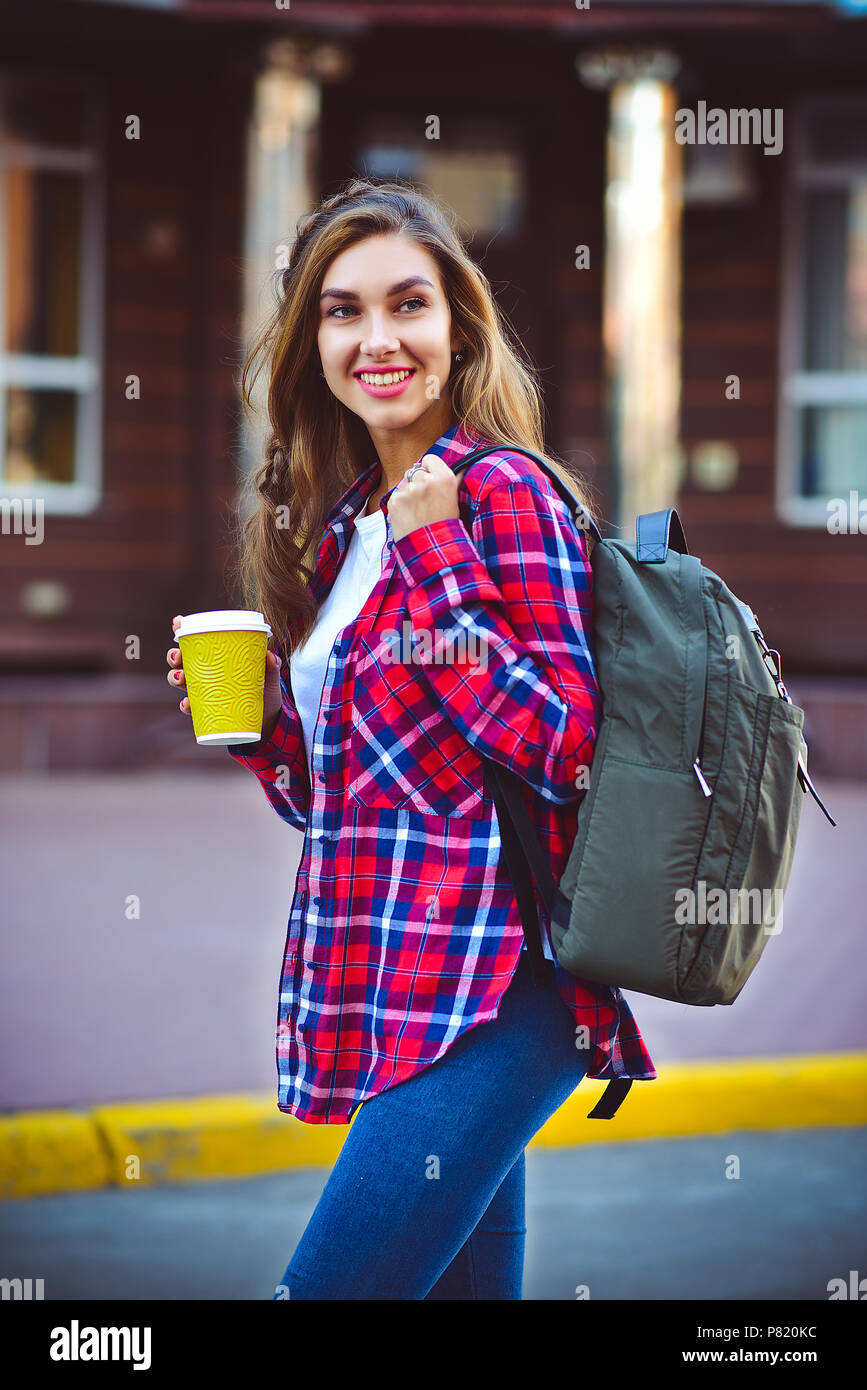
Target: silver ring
[[411, 472]]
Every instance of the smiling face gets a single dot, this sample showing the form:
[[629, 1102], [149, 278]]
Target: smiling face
[[385, 337]]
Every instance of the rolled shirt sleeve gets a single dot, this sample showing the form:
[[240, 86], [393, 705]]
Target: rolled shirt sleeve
[[280, 763]]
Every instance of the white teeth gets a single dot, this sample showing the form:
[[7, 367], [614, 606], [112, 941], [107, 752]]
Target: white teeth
[[383, 378]]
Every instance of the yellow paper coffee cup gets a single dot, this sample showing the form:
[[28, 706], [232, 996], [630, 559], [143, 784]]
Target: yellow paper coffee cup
[[223, 654]]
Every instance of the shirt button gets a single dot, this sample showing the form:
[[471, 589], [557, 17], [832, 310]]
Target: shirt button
[[321, 776], [317, 902]]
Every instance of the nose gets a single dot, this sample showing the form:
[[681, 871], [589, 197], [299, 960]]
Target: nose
[[378, 339]]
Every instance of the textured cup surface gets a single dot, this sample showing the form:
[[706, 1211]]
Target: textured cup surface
[[225, 677]]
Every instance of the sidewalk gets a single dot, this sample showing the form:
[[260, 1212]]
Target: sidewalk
[[179, 1001]]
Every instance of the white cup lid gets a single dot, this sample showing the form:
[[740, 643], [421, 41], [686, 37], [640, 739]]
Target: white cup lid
[[223, 620]]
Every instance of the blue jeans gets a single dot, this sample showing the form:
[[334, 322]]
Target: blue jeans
[[426, 1199]]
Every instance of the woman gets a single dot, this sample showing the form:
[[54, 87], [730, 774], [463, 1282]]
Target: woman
[[405, 994]]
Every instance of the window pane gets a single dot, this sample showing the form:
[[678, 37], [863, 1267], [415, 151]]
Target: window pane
[[44, 112], [480, 175], [833, 450], [836, 280], [40, 436], [43, 247]]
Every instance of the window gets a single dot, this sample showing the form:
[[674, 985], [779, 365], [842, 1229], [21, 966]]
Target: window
[[823, 345], [476, 168], [51, 267]]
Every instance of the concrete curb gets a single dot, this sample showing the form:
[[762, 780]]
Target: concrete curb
[[143, 1143]]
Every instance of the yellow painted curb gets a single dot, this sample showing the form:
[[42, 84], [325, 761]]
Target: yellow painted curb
[[142, 1143], [230, 1136], [689, 1098], [50, 1151]]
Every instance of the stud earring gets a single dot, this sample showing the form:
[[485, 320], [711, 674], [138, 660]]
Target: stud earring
[[459, 356]]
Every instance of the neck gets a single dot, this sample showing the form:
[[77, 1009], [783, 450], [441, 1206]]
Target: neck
[[398, 450]]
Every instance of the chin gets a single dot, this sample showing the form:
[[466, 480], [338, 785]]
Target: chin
[[395, 415], [398, 420]]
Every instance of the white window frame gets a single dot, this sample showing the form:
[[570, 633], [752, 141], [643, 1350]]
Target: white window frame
[[798, 388], [84, 372]]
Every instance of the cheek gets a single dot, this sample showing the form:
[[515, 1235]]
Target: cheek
[[435, 340], [330, 355]]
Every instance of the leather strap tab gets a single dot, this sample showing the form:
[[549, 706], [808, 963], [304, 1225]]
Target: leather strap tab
[[656, 533]]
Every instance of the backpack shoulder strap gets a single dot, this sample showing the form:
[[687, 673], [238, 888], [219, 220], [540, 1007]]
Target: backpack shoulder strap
[[582, 517]]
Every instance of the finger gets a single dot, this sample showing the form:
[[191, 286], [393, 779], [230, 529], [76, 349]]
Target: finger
[[177, 677], [173, 655], [176, 620], [184, 705]]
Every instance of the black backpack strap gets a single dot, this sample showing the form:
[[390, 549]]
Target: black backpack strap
[[523, 851], [582, 517], [511, 809], [611, 1099], [506, 785]]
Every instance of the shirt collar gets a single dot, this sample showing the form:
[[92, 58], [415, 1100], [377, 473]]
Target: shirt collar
[[457, 441]]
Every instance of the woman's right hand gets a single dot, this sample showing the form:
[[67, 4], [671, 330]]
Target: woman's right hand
[[272, 696]]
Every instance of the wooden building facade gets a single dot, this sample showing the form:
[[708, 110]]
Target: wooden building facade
[[124, 304]]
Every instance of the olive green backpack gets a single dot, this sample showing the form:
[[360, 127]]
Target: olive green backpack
[[690, 813]]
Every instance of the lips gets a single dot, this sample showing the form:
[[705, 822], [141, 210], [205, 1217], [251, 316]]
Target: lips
[[389, 381]]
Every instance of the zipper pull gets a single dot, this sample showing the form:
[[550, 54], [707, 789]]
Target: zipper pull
[[807, 784], [696, 767]]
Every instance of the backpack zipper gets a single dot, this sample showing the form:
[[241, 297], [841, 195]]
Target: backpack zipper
[[776, 669], [696, 766]]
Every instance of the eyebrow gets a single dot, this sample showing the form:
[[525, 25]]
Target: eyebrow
[[395, 289]]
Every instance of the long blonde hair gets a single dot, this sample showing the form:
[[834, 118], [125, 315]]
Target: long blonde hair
[[318, 446]]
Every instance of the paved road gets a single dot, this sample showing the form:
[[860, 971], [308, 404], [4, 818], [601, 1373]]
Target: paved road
[[96, 1005], [652, 1219]]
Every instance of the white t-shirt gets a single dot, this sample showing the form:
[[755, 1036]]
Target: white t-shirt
[[356, 579], [308, 664]]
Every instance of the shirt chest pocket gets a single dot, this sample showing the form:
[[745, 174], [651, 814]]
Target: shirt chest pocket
[[404, 753]]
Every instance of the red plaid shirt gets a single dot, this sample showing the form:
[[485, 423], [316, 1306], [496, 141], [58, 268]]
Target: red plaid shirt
[[403, 930]]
